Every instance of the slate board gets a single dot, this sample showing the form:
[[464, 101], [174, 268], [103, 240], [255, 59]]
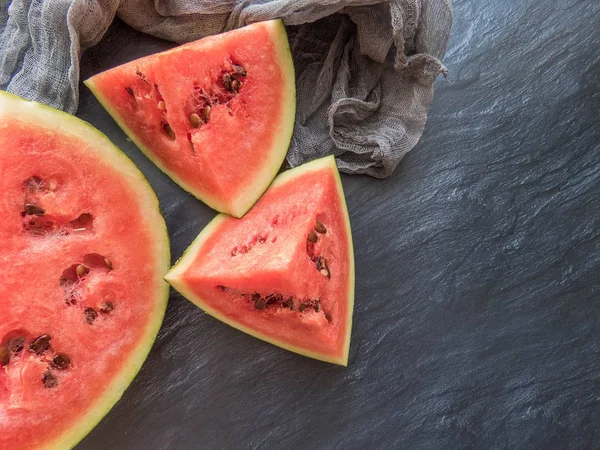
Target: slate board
[[478, 270]]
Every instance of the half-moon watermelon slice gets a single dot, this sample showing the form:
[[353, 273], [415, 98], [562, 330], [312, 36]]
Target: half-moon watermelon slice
[[83, 249], [216, 115], [284, 272]]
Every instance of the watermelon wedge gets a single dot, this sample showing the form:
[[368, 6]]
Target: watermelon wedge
[[216, 115], [283, 273], [83, 248]]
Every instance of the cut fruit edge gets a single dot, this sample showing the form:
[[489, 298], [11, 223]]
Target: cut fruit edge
[[173, 277], [60, 122], [277, 152]]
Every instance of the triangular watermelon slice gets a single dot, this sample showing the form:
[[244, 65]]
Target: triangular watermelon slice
[[216, 115], [283, 273]]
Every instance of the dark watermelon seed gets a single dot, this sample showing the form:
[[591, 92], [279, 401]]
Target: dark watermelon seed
[[41, 344], [60, 362], [16, 345], [328, 317], [260, 303], [322, 267], [239, 70], [312, 237], [107, 307], [235, 86], [304, 306], [82, 270], [108, 263], [4, 356], [49, 380], [317, 305], [168, 130], [90, 315], [227, 82], [34, 210], [195, 120], [274, 298], [130, 91], [221, 288], [289, 303], [320, 228]]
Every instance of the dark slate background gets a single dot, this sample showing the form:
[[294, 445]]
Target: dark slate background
[[478, 270]]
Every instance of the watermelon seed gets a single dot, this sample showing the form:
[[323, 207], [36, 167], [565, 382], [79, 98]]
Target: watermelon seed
[[161, 105], [195, 120], [107, 307], [239, 70], [60, 362], [33, 210], [49, 380], [168, 130], [206, 113], [227, 80], [304, 306], [260, 303], [235, 86], [312, 237], [317, 305], [273, 298], [320, 228], [4, 356], [16, 345], [130, 91], [40, 345], [328, 317], [322, 267], [221, 288], [90, 315], [82, 270], [108, 263], [289, 303]]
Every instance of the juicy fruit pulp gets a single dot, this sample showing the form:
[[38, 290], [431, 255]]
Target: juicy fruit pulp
[[83, 249], [216, 115], [285, 271]]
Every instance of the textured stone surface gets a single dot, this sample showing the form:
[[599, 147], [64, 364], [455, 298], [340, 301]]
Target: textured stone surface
[[478, 270]]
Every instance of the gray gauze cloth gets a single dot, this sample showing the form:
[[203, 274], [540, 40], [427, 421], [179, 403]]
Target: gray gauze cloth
[[364, 68]]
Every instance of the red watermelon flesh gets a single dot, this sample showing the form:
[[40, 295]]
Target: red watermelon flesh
[[285, 271], [216, 115], [83, 249]]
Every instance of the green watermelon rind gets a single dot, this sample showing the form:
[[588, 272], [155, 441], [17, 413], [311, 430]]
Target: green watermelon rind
[[61, 122], [173, 277], [277, 152]]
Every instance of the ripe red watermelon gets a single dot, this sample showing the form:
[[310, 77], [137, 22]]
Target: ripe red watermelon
[[285, 271], [216, 115], [83, 249]]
